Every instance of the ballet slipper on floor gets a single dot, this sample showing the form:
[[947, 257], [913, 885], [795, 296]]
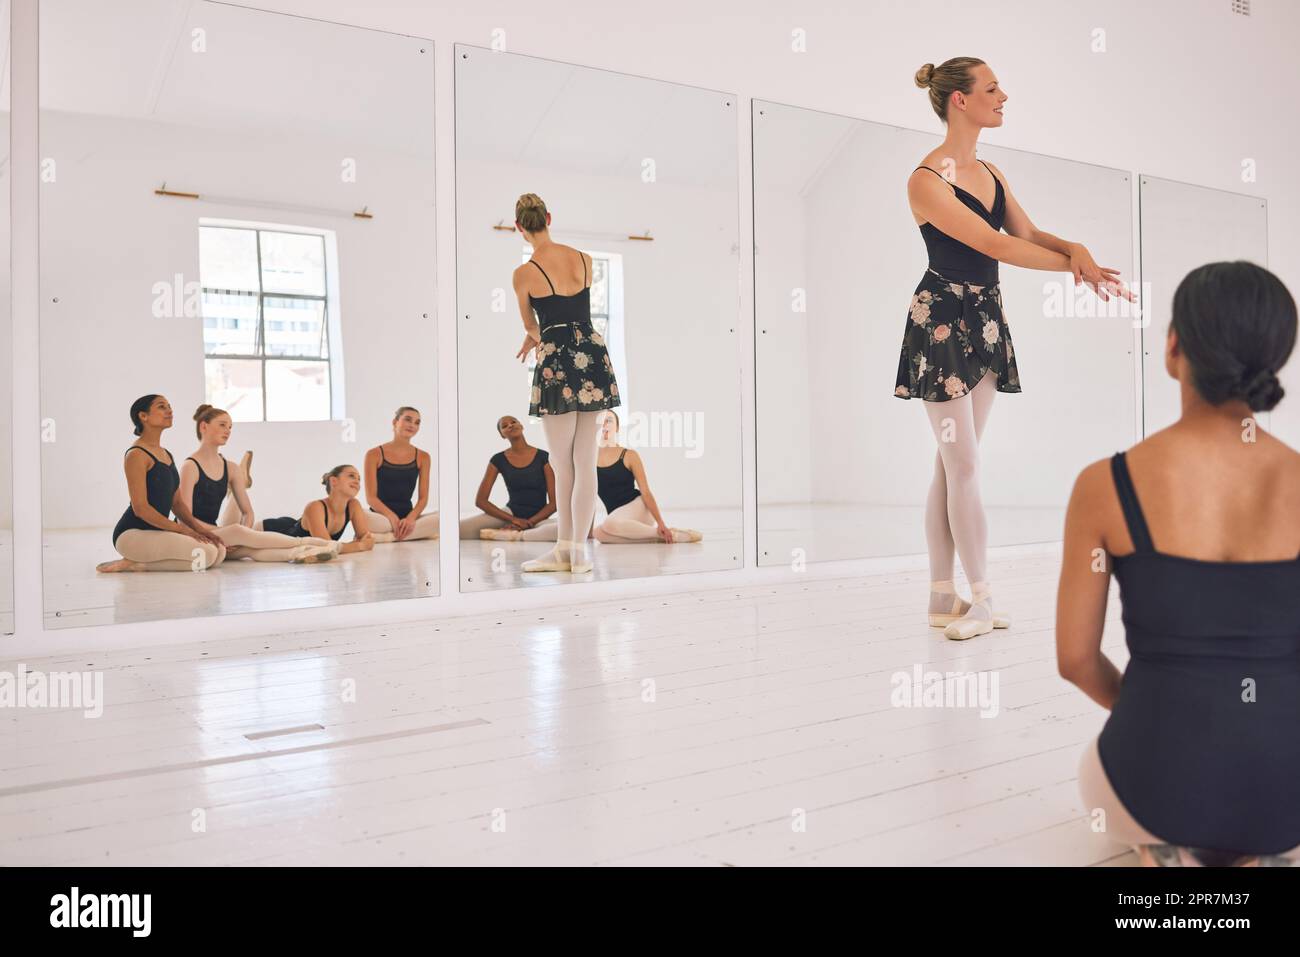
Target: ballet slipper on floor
[[686, 535], [978, 619], [500, 534], [944, 595], [314, 554], [556, 560], [1000, 620]]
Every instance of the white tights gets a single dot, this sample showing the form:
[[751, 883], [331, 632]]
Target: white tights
[[426, 526], [470, 527], [633, 524], [162, 551], [954, 514], [260, 545], [263, 546], [573, 440]]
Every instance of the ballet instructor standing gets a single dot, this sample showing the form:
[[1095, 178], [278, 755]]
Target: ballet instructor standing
[[573, 382], [957, 350]]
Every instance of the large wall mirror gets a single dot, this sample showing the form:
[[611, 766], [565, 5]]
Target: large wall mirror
[[6, 337], [843, 465], [1184, 226], [236, 211], [634, 289]]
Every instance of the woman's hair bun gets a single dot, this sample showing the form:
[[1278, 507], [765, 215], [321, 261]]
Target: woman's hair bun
[[924, 75], [198, 413], [1262, 390]]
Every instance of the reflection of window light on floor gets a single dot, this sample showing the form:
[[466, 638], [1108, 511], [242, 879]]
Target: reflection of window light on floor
[[606, 314], [268, 306]]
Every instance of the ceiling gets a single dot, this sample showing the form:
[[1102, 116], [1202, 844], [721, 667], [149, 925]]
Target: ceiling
[[256, 73], [522, 109]]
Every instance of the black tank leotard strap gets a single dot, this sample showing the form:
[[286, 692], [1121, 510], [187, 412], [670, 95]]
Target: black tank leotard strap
[[209, 494], [548, 278], [615, 483], [552, 285], [1128, 500], [396, 483], [160, 482]]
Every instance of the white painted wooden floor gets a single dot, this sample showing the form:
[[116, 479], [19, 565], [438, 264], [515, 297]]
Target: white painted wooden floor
[[683, 729], [489, 565], [75, 594]]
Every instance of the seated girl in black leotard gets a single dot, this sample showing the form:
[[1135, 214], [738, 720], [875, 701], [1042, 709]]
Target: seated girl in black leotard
[[1199, 760], [146, 537], [531, 484], [393, 475], [633, 515], [328, 517], [206, 477]]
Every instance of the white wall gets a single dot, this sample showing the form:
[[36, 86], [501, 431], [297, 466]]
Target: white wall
[[1155, 101], [106, 239], [6, 369]]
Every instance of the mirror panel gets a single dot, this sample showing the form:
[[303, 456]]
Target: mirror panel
[[640, 175], [6, 365], [844, 466], [236, 210], [1185, 226]]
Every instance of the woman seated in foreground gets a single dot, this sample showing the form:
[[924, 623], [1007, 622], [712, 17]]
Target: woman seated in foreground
[[1199, 761]]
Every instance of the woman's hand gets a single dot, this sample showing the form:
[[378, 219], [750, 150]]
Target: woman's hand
[[532, 341], [665, 533], [520, 523], [200, 534], [248, 520], [1101, 280], [403, 528]]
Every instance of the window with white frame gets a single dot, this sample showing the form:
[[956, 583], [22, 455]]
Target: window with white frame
[[266, 323]]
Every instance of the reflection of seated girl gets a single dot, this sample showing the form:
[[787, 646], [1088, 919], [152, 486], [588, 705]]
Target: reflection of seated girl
[[531, 484], [328, 517], [392, 476], [204, 495], [146, 537], [634, 515]]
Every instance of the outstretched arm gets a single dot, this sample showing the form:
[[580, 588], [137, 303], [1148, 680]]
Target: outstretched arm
[[1104, 282], [932, 198]]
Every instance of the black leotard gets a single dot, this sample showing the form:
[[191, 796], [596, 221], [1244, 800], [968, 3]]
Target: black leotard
[[527, 485], [616, 485], [952, 258], [209, 493], [557, 310], [294, 527], [396, 483], [160, 483], [1202, 747]]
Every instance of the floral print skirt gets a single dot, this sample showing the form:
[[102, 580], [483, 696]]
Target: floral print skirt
[[573, 372], [955, 333]]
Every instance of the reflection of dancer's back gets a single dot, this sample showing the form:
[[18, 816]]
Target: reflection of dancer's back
[[572, 383], [634, 515], [530, 482]]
